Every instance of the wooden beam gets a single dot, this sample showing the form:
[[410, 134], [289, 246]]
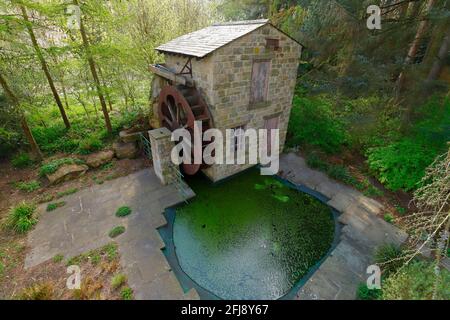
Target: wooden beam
[[170, 75]]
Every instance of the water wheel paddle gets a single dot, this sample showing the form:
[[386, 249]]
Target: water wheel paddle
[[179, 107]]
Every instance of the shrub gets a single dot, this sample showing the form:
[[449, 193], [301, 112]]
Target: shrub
[[364, 293], [90, 144], [40, 291], [123, 211], [29, 186], [126, 293], [9, 139], [313, 122], [400, 165], [54, 165], [22, 160], [56, 205], [116, 231], [389, 258], [416, 281], [21, 217], [118, 280]]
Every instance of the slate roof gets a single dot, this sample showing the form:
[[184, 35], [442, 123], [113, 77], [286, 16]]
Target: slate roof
[[202, 42]]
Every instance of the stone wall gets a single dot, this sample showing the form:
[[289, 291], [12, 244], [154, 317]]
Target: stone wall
[[230, 99], [161, 148], [224, 79]]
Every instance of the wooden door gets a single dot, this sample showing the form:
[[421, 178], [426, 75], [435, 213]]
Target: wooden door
[[260, 81]]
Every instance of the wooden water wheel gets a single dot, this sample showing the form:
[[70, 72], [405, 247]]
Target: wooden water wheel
[[179, 107]]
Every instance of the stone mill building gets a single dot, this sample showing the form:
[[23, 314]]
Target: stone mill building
[[229, 75]]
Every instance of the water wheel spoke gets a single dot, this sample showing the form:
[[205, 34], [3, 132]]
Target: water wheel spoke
[[169, 122], [172, 114]]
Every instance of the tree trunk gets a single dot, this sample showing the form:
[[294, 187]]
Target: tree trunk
[[412, 52], [23, 121], [44, 66], [439, 61], [108, 97], [94, 73]]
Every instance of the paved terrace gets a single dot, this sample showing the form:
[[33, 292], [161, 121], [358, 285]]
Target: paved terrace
[[340, 274], [84, 222]]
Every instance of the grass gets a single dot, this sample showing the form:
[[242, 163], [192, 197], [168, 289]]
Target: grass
[[54, 165], [66, 192], [39, 291], [126, 293], [55, 205], [118, 280], [21, 217], [123, 211], [248, 216], [109, 251], [389, 218], [29, 186], [58, 258], [116, 231]]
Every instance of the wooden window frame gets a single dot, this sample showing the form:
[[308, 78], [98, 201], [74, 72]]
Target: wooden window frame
[[273, 43]]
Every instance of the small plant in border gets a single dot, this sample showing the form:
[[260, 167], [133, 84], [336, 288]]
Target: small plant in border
[[118, 280], [123, 211], [116, 231], [56, 205], [21, 217], [127, 293]]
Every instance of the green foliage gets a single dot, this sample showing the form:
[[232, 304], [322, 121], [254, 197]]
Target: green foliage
[[313, 122], [54, 165], [116, 231], [56, 205], [400, 165], [126, 293], [110, 251], [388, 218], [22, 160], [58, 258], [416, 281], [29, 186], [364, 293], [21, 217], [66, 192], [9, 141], [118, 280], [390, 258], [316, 162], [90, 144], [123, 211]]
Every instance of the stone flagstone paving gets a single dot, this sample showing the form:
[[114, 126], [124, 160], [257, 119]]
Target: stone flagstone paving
[[363, 231], [84, 222]]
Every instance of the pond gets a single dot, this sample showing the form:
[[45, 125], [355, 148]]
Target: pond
[[250, 237]]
